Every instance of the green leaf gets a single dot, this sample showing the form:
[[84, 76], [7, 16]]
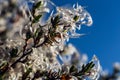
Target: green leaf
[[85, 69], [3, 67], [88, 67], [57, 18], [37, 35], [55, 21], [73, 69], [36, 18], [37, 5], [91, 65]]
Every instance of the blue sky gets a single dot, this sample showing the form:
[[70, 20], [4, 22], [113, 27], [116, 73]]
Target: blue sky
[[103, 37]]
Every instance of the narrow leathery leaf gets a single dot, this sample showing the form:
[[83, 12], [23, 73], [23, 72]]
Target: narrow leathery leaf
[[3, 67], [73, 69], [52, 21], [92, 65], [57, 18], [36, 18], [76, 17], [37, 5], [55, 21], [84, 67], [37, 35], [88, 67], [38, 32]]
